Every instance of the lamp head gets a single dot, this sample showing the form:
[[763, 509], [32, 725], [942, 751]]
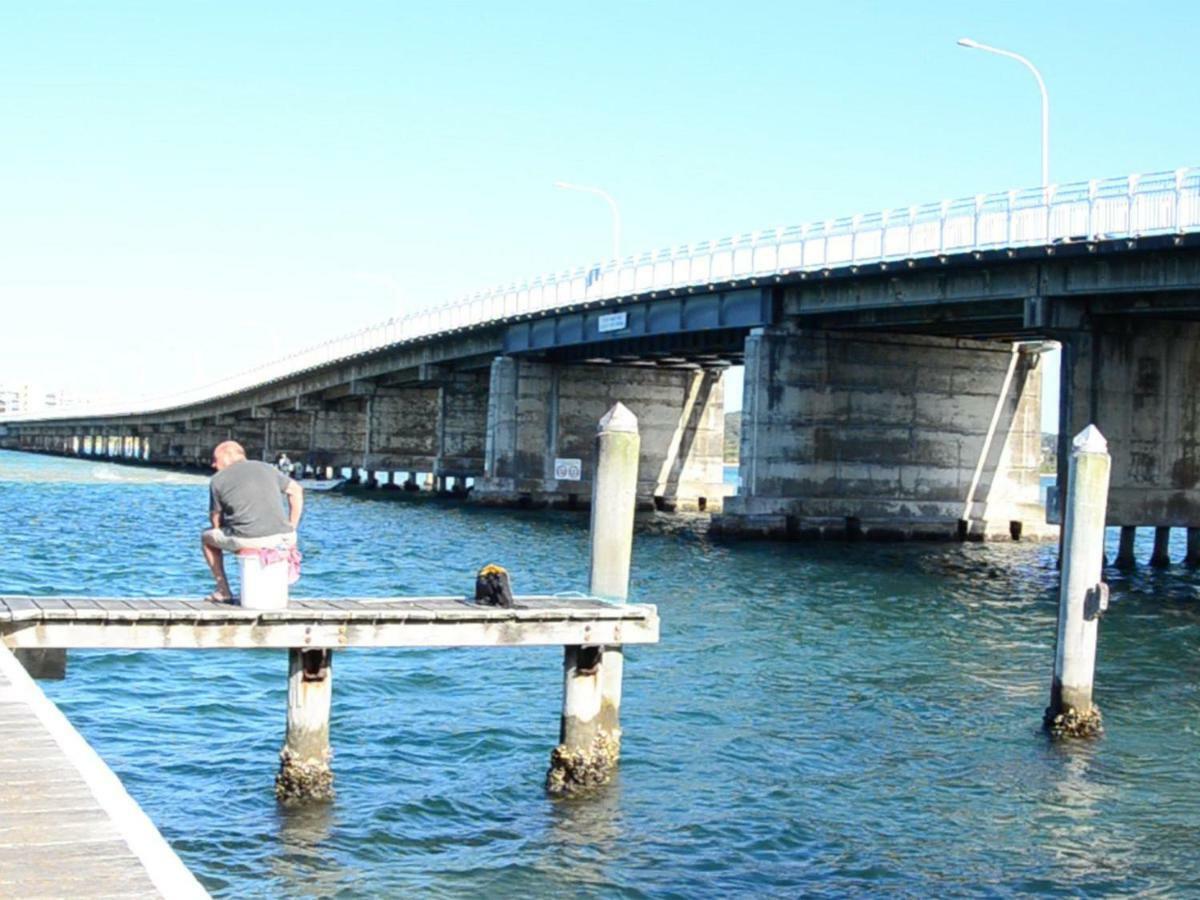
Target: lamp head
[[967, 42]]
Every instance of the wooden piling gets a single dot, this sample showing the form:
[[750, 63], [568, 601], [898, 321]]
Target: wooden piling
[[1125, 558], [590, 730], [1082, 595], [1161, 557], [304, 771], [1193, 547]]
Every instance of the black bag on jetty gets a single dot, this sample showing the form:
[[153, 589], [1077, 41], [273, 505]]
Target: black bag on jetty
[[492, 587]]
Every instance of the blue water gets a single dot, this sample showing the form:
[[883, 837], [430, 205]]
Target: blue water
[[824, 720]]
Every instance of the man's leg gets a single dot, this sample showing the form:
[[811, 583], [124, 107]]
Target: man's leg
[[216, 564]]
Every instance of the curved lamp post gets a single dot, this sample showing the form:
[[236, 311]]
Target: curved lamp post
[[975, 45], [616, 213]]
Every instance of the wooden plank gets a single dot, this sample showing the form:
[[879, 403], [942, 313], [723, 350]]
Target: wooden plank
[[284, 630], [115, 604], [67, 827], [14, 607], [369, 622]]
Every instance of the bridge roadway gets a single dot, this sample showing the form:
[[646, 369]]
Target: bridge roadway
[[892, 373]]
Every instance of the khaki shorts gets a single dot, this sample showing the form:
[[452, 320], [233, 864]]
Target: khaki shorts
[[215, 537]]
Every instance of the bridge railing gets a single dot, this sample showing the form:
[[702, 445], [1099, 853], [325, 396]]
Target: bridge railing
[[1128, 207]]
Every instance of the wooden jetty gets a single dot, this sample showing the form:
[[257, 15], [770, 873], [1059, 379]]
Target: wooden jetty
[[165, 624], [67, 826], [55, 812], [310, 630]]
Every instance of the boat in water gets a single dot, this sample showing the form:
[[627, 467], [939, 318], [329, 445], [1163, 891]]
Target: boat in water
[[320, 484]]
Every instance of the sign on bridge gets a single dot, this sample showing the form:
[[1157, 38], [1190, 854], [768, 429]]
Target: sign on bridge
[[568, 469], [613, 322]]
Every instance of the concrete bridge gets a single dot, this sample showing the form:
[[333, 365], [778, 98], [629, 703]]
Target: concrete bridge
[[892, 381]]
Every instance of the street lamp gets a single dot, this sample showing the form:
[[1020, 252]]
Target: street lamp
[[975, 45], [616, 213]]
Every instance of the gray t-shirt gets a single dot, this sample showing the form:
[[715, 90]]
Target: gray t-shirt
[[249, 497]]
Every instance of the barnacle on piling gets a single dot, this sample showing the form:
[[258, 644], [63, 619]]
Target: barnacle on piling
[[303, 780], [1071, 723], [574, 772]]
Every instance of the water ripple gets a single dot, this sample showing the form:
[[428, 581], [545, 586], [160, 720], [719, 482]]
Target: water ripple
[[820, 720]]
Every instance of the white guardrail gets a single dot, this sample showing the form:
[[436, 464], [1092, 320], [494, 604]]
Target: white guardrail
[[1135, 206]]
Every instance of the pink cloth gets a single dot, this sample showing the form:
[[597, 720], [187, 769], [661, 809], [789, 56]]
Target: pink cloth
[[272, 555]]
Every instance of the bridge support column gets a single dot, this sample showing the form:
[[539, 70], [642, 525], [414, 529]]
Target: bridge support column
[[542, 412], [1125, 558], [848, 435], [462, 425], [1138, 379], [337, 435], [403, 430]]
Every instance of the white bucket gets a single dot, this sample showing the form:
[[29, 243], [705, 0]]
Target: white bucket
[[263, 587]]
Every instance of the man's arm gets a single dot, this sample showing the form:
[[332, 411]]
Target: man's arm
[[214, 507], [295, 501]]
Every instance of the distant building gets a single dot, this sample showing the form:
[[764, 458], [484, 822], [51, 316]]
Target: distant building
[[28, 398]]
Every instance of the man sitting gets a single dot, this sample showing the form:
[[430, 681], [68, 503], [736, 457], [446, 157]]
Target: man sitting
[[246, 510]]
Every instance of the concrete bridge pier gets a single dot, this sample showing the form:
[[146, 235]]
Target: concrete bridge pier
[[1125, 558], [858, 435], [399, 428], [1193, 547], [1138, 379], [541, 412], [291, 434], [462, 424]]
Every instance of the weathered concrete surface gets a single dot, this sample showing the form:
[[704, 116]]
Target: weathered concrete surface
[[1137, 380], [404, 430], [339, 434], [462, 423], [538, 412], [882, 436]]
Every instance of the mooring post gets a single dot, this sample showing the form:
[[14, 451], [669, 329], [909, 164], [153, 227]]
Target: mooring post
[[1082, 595], [304, 771], [590, 732], [1125, 559], [1161, 557]]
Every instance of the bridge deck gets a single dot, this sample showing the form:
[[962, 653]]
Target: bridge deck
[[67, 827], [141, 623]]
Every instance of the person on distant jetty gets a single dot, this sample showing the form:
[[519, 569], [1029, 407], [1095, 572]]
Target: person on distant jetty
[[246, 509]]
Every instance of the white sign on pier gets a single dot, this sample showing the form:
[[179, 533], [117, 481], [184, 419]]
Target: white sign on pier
[[568, 469]]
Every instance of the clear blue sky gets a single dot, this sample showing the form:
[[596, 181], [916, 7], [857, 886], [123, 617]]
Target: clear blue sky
[[192, 188]]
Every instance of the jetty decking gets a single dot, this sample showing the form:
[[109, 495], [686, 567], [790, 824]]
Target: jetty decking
[[137, 623], [67, 826]]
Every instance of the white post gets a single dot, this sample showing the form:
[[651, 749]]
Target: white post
[[590, 732], [614, 496], [304, 771], [1083, 597]]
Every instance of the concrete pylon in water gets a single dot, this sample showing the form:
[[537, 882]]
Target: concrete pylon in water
[[590, 733], [1083, 597]]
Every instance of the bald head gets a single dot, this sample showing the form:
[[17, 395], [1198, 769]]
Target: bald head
[[227, 453]]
